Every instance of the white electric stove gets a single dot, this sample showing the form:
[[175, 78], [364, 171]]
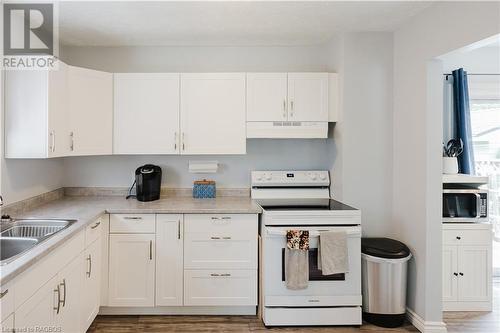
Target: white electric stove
[[301, 200]]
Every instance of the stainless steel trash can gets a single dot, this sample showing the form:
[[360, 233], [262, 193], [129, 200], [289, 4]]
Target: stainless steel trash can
[[384, 267]]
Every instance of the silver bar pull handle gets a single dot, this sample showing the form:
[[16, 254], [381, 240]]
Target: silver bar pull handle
[[175, 141], [183, 142], [132, 218], [150, 250], [284, 108], [225, 274], [214, 237], [3, 293], [72, 144], [89, 260], [64, 299], [179, 229], [58, 291], [95, 225]]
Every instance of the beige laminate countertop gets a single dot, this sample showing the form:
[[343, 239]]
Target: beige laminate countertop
[[86, 209]]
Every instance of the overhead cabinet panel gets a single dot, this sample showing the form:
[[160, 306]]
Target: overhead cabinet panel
[[308, 96], [213, 113], [36, 113], [91, 111], [267, 97], [146, 113]]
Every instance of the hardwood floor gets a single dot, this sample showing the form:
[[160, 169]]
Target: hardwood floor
[[157, 324], [473, 322]]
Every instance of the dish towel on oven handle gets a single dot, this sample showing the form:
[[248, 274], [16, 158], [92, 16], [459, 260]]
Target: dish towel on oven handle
[[297, 259], [333, 257]]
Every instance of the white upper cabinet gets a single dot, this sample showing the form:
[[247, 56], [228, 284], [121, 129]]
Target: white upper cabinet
[[91, 111], [308, 96], [36, 113], [267, 97], [213, 113], [146, 113]]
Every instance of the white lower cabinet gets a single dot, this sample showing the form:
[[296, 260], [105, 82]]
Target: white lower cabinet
[[220, 287], [131, 270], [169, 254], [91, 291], [70, 282], [467, 267], [55, 305], [40, 310]]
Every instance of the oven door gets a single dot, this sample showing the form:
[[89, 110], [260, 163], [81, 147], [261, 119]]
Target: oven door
[[331, 290]]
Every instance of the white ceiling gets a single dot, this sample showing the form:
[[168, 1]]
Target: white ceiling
[[133, 23]]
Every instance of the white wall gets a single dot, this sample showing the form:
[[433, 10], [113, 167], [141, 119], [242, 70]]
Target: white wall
[[117, 171], [417, 134], [363, 138], [198, 59], [480, 60]]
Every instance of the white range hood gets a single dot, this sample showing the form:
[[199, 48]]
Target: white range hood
[[287, 130]]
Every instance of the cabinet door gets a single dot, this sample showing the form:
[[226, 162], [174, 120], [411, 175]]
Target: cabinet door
[[146, 113], [40, 310], [266, 96], [213, 113], [91, 284], [450, 273], [169, 268], [474, 267], [308, 96], [131, 270], [91, 111], [71, 282], [58, 112]]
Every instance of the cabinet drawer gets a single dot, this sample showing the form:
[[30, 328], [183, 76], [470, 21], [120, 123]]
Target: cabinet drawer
[[93, 231], [132, 223], [220, 287], [466, 237], [6, 300], [203, 251], [242, 226]]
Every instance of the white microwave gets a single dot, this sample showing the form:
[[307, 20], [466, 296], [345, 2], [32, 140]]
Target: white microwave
[[465, 205]]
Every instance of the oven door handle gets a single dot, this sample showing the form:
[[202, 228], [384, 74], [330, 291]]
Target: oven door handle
[[352, 232]]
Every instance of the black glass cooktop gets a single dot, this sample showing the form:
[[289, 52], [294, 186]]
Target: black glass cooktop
[[327, 204]]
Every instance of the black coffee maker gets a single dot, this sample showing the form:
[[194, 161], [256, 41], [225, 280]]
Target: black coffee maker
[[148, 182]]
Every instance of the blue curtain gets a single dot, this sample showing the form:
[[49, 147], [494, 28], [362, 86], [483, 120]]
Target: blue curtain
[[463, 128]]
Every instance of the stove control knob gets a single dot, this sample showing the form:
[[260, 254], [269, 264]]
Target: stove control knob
[[258, 177], [313, 176], [322, 176], [268, 176]]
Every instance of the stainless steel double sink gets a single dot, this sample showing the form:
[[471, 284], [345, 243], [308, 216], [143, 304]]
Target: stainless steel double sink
[[20, 236]]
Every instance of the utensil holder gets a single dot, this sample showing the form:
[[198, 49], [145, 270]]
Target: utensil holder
[[450, 165]]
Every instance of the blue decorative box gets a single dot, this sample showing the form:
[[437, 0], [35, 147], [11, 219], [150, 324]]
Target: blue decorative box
[[204, 189]]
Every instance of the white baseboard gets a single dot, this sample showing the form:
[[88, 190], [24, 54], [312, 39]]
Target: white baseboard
[[425, 326], [180, 310]]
